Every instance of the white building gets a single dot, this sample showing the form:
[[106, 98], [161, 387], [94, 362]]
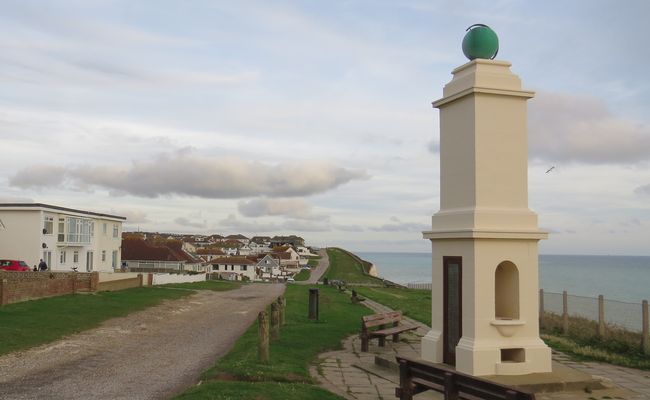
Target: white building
[[240, 266], [65, 238]]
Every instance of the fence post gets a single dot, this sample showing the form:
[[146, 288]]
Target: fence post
[[282, 302], [601, 315], [541, 308], [140, 280], [275, 321], [263, 336], [565, 312], [645, 340], [3, 292]]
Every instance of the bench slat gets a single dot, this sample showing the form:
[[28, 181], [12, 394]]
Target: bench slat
[[393, 330]]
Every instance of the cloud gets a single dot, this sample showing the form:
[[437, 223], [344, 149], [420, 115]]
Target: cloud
[[348, 228], [38, 177], [293, 208], [15, 199], [234, 224], [132, 216], [396, 225], [581, 128], [186, 173], [182, 221], [433, 147], [643, 190]]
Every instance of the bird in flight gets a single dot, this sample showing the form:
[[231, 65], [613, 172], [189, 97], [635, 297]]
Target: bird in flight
[[550, 169]]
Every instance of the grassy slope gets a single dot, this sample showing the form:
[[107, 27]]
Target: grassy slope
[[31, 323], [414, 303], [303, 275], [344, 267]]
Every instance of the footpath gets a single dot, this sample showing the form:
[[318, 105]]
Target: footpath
[[353, 374]]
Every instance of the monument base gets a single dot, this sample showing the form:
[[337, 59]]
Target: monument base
[[431, 346], [520, 357]]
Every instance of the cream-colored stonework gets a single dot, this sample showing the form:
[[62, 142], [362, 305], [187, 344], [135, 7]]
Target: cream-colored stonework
[[484, 218]]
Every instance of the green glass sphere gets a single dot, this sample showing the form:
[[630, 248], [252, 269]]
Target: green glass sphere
[[480, 42]]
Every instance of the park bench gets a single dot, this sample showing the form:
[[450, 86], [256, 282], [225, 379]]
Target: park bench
[[382, 325], [419, 376]]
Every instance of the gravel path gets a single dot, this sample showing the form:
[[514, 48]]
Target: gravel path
[[151, 354], [317, 272]]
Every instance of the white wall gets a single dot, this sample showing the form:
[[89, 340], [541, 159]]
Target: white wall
[[161, 279]]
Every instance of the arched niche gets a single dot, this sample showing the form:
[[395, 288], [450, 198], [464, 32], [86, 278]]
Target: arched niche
[[506, 291]]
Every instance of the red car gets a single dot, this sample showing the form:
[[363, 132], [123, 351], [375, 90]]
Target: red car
[[14, 265]]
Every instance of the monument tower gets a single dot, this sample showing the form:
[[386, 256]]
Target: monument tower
[[485, 239]]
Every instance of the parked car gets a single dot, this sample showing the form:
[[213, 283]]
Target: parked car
[[14, 265], [290, 280]]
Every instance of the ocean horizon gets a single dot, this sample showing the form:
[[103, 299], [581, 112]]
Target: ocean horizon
[[622, 278]]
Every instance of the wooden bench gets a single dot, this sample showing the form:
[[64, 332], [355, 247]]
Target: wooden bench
[[382, 325], [419, 376]]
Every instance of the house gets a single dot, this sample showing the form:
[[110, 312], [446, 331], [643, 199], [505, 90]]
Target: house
[[210, 253], [268, 267], [241, 266], [245, 250], [65, 238], [292, 240], [240, 238], [157, 254]]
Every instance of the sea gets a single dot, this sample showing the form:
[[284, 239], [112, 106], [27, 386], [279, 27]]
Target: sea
[[621, 278]]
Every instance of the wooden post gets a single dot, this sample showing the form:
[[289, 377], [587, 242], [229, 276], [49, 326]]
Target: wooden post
[[313, 304], [282, 304], [140, 280], [601, 316], [645, 340], [451, 392], [263, 334], [405, 381], [275, 321], [565, 312], [3, 292], [541, 308]]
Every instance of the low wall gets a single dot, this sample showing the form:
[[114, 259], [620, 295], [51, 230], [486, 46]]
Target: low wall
[[120, 284], [22, 286], [162, 279]]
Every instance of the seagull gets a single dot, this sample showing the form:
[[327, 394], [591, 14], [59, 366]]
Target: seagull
[[550, 169]]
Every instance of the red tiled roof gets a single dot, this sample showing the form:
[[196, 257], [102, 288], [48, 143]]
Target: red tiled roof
[[232, 260]]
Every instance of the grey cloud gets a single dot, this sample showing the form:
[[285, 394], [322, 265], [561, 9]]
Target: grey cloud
[[132, 216], [38, 176], [15, 199], [237, 225], [182, 221], [643, 190], [186, 173], [396, 225], [433, 147], [293, 208], [306, 226], [348, 228], [581, 128]]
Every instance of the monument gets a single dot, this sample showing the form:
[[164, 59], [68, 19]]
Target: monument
[[484, 239]]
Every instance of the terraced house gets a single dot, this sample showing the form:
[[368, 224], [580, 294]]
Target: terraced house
[[67, 239]]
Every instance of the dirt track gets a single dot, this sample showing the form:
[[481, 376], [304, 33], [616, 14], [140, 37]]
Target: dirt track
[[150, 354]]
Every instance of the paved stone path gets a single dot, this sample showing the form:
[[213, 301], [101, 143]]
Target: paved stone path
[[350, 372], [316, 273], [151, 354]]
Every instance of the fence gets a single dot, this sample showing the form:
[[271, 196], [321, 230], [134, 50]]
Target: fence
[[419, 285]]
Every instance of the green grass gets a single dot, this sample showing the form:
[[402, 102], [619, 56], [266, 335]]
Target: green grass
[[303, 275], [31, 323], [619, 346], [344, 267], [217, 286], [414, 303], [301, 340], [257, 391], [313, 261]]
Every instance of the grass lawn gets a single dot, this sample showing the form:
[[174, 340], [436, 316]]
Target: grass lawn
[[344, 267], [303, 275], [31, 323], [300, 342], [414, 303], [217, 286], [313, 261]]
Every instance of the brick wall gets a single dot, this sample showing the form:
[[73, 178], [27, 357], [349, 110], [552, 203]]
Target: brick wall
[[22, 286]]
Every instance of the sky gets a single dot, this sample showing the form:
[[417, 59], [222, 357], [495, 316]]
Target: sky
[[315, 118]]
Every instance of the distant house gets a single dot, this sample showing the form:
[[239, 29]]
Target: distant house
[[142, 255], [292, 240], [268, 267], [65, 238], [240, 266], [240, 238], [210, 253]]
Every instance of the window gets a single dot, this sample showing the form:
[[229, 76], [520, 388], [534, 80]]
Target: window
[[243, 267], [48, 226], [104, 228], [115, 230], [61, 237], [62, 257], [114, 259], [78, 230], [215, 267], [92, 229], [75, 256], [103, 255]]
